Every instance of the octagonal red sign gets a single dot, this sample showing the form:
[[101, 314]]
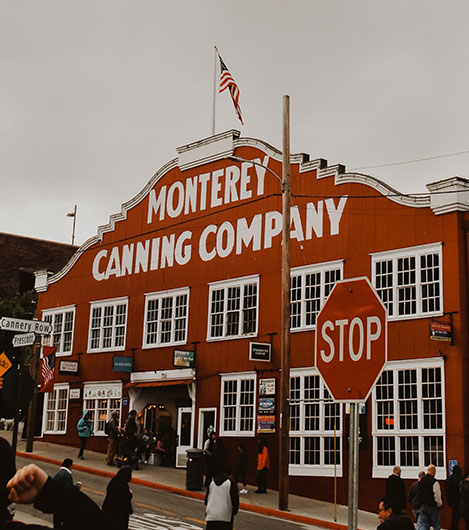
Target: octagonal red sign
[[351, 340]]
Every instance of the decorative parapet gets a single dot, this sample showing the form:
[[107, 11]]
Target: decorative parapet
[[449, 195]]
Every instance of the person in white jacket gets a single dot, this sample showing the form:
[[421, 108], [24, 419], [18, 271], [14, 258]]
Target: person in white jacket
[[221, 502]]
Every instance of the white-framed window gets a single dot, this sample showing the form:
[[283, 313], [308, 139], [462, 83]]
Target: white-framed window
[[56, 409], [410, 280], [409, 418], [108, 323], [237, 404], [62, 321], [315, 426], [309, 288], [233, 308], [166, 318], [101, 400]]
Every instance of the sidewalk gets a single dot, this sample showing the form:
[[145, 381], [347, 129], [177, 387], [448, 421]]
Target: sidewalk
[[301, 509]]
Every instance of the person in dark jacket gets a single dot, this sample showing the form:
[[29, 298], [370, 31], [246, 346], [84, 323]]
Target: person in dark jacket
[[221, 502], [32, 485], [464, 499], [413, 495], [452, 495], [430, 501], [7, 471], [241, 467], [65, 479], [395, 491], [117, 506], [390, 520], [85, 430]]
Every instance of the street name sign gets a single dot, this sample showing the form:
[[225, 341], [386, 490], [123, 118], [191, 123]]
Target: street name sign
[[24, 339], [351, 340], [26, 326]]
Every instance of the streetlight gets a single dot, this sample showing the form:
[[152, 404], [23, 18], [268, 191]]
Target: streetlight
[[283, 459]]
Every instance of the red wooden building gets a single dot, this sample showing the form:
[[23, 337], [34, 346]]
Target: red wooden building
[[174, 309]]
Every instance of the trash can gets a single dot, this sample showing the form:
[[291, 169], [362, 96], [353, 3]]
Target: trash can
[[195, 469]]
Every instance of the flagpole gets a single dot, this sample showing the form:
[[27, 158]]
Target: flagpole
[[214, 90]]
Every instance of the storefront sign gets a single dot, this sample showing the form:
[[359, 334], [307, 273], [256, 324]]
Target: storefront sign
[[183, 358], [68, 367], [260, 351], [122, 364], [75, 393], [267, 386], [265, 424], [103, 391], [441, 331], [266, 406]]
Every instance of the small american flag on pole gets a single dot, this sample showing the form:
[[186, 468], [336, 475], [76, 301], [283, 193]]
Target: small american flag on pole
[[227, 82], [47, 368]]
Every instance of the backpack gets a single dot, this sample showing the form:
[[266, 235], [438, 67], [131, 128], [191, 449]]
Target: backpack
[[107, 427]]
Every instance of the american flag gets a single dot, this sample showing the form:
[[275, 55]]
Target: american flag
[[227, 81], [47, 368]]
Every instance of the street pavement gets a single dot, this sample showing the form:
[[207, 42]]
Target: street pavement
[[301, 509]]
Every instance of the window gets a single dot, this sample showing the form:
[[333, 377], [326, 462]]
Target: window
[[408, 417], [409, 281], [62, 321], [108, 321], [56, 408], [315, 426], [166, 316], [233, 308], [238, 392], [101, 400], [309, 288]]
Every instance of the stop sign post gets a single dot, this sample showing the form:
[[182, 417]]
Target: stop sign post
[[350, 353]]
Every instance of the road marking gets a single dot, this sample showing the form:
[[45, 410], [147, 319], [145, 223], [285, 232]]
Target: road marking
[[153, 521]]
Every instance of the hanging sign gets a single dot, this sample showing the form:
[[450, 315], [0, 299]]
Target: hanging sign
[[260, 351], [183, 358], [441, 331]]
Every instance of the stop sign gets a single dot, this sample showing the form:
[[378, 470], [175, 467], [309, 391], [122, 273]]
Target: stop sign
[[351, 340]]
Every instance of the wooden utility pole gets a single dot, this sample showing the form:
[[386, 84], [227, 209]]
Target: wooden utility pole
[[284, 440]]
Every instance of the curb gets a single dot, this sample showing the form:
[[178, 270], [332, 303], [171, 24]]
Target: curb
[[272, 512]]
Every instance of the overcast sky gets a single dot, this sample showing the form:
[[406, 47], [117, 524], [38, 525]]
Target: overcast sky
[[96, 95]]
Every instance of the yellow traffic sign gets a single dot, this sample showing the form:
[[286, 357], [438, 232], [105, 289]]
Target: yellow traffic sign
[[1, 383], [5, 364]]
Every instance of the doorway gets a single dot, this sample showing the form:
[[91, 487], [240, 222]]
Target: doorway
[[184, 435], [207, 418]]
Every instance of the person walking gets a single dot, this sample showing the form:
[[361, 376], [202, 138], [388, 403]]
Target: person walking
[[263, 465], [131, 431], [389, 520], [113, 432], [117, 506], [7, 471], [221, 502], [395, 491], [85, 430], [413, 496], [241, 467], [65, 479], [452, 495], [464, 499], [430, 501]]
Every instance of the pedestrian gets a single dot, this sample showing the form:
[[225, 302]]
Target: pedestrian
[[209, 450], [430, 501], [241, 467], [85, 430], [413, 496], [221, 502], [395, 491], [391, 520], [117, 506], [263, 465], [220, 456], [130, 444], [7, 471], [32, 485], [65, 479], [452, 495], [113, 432], [464, 499]]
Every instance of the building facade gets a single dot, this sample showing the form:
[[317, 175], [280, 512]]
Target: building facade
[[173, 309]]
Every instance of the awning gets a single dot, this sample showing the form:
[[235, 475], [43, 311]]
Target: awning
[[166, 382]]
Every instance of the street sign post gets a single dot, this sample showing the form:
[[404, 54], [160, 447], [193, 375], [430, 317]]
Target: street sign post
[[350, 353], [26, 326], [24, 339]]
